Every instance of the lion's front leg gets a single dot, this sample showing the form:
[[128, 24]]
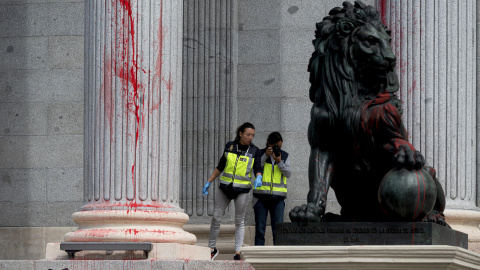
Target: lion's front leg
[[405, 155], [320, 173]]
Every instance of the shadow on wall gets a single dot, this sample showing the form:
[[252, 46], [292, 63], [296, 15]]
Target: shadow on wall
[[41, 122]]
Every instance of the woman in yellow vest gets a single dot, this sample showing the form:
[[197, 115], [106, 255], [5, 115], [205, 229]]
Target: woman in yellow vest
[[271, 195], [239, 163]]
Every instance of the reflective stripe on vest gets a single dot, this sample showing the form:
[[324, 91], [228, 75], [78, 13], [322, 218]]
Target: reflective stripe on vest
[[274, 184], [238, 169]]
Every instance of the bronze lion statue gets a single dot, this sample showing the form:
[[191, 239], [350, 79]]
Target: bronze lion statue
[[356, 132]]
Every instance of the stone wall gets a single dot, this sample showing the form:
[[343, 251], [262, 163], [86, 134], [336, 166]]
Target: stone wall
[[41, 123], [41, 111]]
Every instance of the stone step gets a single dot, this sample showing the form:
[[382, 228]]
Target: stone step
[[123, 264]]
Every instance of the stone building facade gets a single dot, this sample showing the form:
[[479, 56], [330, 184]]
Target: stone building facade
[[242, 60]]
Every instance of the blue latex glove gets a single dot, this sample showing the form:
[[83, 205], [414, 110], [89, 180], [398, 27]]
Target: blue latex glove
[[258, 182], [205, 188]]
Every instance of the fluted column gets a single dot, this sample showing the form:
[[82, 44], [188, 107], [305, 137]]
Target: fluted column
[[133, 71], [435, 43], [209, 106]]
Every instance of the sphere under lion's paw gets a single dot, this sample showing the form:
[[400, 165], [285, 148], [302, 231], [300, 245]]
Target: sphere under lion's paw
[[407, 195], [306, 213]]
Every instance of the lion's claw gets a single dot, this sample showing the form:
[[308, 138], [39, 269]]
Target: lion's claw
[[408, 158], [435, 217], [306, 213]]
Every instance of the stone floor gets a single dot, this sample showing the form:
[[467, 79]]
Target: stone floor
[[121, 264]]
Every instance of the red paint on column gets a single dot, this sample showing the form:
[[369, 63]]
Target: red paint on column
[[169, 86], [128, 74], [125, 67], [410, 90], [383, 10], [106, 95], [157, 77]]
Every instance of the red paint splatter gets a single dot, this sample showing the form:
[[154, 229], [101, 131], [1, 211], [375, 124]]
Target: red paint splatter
[[412, 89], [424, 192], [418, 196], [125, 67], [100, 233], [106, 96], [132, 231], [399, 142], [133, 205], [158, 77], [128, 74], [383, 10]]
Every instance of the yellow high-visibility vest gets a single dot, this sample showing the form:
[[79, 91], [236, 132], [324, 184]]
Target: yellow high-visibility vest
[[273, 181], [238, 170]]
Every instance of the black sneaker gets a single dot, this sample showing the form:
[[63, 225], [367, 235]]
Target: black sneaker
[[237, 257], [214, 253]]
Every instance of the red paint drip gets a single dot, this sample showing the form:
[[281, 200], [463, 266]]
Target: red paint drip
[[383, 10], [418, 197], [412, 89], [399, 142], [125, 67], [130, 71], [169, 85], [132, 231], [106, 95], [158, 76], [131, 205], [424, 193]]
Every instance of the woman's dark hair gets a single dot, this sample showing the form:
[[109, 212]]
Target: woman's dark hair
[[242, 128], [274, 137]]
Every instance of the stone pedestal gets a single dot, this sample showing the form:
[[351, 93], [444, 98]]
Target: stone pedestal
[[361, 257], [125, 264], [367, 233]]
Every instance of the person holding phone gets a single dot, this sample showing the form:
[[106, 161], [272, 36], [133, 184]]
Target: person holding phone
[[270, 196]]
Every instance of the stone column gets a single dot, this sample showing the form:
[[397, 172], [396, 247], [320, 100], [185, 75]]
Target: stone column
[[133, 81], [209, 104], [209, 109], [435, 43]]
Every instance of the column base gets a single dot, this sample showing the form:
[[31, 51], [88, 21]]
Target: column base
[[160, 251], [130, 226], [225, 241], [360, 257]]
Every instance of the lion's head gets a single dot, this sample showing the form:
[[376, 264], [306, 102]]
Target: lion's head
[[352, 60]]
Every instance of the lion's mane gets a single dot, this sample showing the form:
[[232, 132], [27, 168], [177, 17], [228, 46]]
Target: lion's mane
[[334, 71]]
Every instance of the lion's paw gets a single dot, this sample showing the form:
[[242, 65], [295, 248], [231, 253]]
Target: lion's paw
[[436, 217], [306, 213], [408, 158]]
